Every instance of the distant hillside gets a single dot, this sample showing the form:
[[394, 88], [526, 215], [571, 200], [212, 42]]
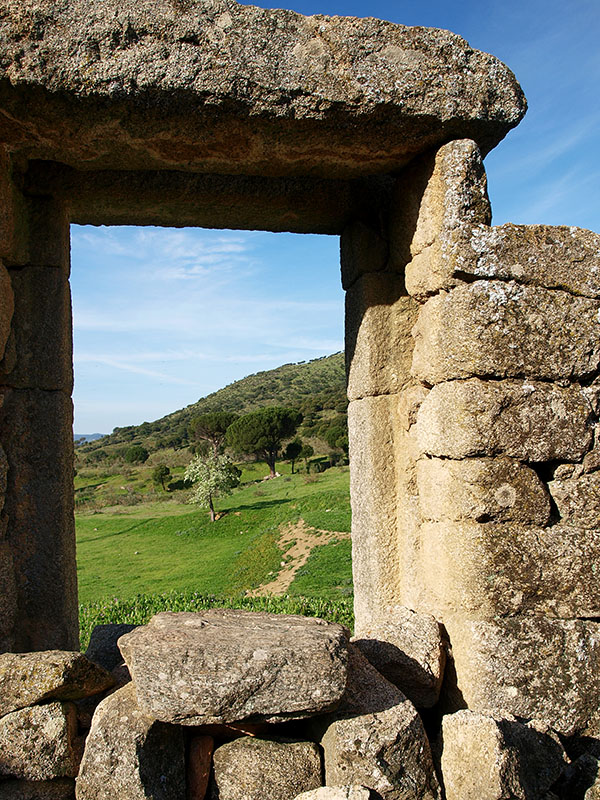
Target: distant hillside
[[80, 438], [317, 388]]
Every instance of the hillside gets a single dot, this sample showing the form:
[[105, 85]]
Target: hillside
[[317, 388]]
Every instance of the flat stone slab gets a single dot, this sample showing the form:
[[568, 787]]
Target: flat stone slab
[[213, 86], [225, 665], [29, 678]]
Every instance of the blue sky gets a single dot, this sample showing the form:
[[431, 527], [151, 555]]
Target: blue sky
[[163, 316]]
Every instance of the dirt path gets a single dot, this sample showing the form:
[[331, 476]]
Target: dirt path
[[297, 542]]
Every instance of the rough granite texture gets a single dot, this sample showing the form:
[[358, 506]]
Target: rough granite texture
[[214, 86], [224, 665], [40, 742], [129, 755], [36, 432], [353, 792], [29, 678], [490, 569], [493, 759], [253, 768], [103, 648], [377, 739], [406, 648], [556, 257], [504, 330], [530, 667], [438, 193], [482, 490], [59, 789], [527, 420]]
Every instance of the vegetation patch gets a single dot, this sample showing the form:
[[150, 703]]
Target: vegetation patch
[[139, 609]]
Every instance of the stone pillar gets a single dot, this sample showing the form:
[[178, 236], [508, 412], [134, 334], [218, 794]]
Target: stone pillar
[[38, 607], [476, 466]]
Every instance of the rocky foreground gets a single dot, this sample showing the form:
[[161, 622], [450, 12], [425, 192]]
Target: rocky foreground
[[238, 705]]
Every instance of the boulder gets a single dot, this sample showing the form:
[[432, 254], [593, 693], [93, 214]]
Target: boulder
[[103, 649], [353, 792], [253, 768], [225, 665], [377, 739], [129, 755], [493, 328], [406, 648], [328, 95], [40, 743], [492, 759], [526, 420], [29, 678], [59, 789]]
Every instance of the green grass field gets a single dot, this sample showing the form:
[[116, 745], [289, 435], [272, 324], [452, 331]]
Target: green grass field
[[129, 556]]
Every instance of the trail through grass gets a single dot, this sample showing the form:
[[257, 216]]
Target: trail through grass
[[163, 547]]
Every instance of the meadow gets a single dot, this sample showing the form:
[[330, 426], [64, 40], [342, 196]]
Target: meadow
[[141, 549]]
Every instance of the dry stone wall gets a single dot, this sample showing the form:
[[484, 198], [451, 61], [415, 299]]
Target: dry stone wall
[[488, 439], [472, 357]]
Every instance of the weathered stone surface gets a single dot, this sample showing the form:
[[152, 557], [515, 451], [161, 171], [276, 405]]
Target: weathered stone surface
[[578, 500], [375, 545], [526, 420], [40, 742], [492, 328], [434, 195], [36, 434], [129, 755], [265, 769], [557, 257], [103, 649], [486, 570], [363, 250], [353, 792], [8, 599], [379, 345], [7, 307], [59, 789], [531, 667], [42, 330], [406, 648], [198, 765], [377, 739], [491, 759], [224, 665], [29, 678], [481, 489], [14, 234], [314, 100]]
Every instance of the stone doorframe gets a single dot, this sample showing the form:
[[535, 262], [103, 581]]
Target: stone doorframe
[[472, 351]]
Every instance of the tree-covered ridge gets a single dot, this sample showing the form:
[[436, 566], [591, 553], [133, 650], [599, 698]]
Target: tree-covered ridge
[[316, 388]]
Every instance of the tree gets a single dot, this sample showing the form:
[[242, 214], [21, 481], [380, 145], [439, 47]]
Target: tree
[[160, 473], [306, 453], [212, 428], [136, 454], [262, 432], [213, 476], [292, 451]]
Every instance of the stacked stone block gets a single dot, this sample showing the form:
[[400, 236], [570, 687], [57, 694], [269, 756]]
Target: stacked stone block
[[38, 607], [489, 442]]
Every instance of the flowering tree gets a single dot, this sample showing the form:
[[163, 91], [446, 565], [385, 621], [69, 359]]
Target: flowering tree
[[213, 476]]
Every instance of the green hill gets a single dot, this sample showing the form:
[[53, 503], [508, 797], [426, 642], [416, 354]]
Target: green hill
[[317, 388]]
